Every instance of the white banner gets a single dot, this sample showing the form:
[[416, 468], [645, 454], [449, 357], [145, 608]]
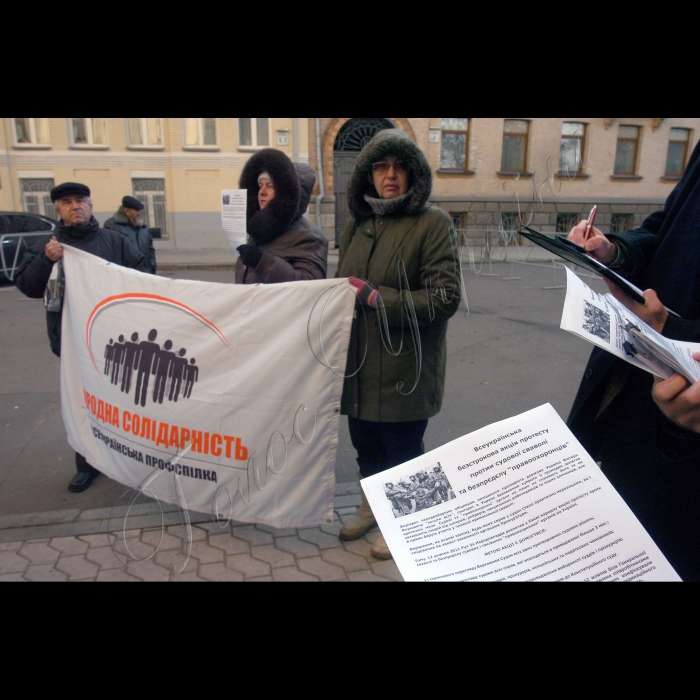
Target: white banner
[[222, 398]]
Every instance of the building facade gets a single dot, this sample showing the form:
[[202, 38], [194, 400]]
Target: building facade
[[489, 173]]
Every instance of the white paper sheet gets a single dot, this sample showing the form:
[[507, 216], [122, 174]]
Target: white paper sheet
[[233, 216], [519, 500]]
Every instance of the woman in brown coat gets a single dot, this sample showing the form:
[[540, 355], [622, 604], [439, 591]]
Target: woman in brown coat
[[399, 251], [284, 246]]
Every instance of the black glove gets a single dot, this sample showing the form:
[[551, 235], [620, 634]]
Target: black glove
[[250, 255]]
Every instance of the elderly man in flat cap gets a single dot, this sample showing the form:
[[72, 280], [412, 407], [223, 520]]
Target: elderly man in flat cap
[[128, 220], [77, 228]]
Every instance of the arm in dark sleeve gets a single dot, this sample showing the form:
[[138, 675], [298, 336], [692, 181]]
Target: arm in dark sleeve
[[132, 256], [151, 254], [307, 260], [674, 442], [34, 271]]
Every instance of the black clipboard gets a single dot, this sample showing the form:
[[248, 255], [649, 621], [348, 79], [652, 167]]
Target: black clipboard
[[564, 248]]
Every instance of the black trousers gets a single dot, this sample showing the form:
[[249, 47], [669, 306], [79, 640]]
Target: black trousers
[[82, 465], [381, 446]]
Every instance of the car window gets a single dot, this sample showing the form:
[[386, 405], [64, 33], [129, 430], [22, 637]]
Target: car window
[[26, 223]]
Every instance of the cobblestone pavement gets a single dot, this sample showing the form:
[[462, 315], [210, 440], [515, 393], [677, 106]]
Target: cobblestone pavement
[[93, 546]]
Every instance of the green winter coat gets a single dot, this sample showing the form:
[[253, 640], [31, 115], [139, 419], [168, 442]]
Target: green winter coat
[[400, 380]]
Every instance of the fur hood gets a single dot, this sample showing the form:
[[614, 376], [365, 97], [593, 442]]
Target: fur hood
[[270, 223], [123, 220], [397, 143]]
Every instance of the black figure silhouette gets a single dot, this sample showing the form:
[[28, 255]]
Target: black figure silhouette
[[109, 354], [119, 350], [161, 368], [177, 371], [131, 361], [191, 376], [147, 357]]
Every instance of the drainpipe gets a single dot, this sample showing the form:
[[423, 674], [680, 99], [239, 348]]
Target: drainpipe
[[9, 170], [295, 139], [321, 185]]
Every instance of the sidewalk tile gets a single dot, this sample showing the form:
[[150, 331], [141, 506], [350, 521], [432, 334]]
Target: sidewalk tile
[[77, 567], [348, 561], [291, 573], [99, 540], [133, 548], [39, 552], [176, 559], [276, 532], [104, 557], [246, 565], [10, 546], [206, 554], [179, 531], [187, 577], [333, 529], [274, 557], [213, 528], [347, 501], [149, 571], [116, 575], [259, 579], [153, 538], [325, 571], [367, 576], [295, 546], [219, 572], [322, 539], [251, 534], [11, 577], [44, 572], [69, 545], [230, 545], [387, 569], [360, 547], [12, 563]]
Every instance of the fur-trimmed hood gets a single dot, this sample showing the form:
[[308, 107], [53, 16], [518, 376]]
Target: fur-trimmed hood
[[268, 224], [390, 142]]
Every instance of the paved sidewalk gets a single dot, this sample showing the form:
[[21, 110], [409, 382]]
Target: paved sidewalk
[[75, 545]]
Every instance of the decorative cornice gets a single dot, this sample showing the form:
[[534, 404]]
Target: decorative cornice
[[608, 121], [656, 122]]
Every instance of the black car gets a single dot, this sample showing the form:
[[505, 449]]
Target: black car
[[18, 231]]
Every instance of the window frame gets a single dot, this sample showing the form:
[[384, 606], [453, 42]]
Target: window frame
[[457, 171], [254, 134], [91, 145], [200, 131], [33, 131], [571, 218], [689, 136], [624, 139], [616, 216], [526, 153], [583, 141], [144, 128]]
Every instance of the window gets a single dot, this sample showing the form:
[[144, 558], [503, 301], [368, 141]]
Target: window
[[30, 132], [515, 134], [36, 196], [627, 146], [511, 226], [88, 133], [253, 131], [151, 193], [573, 146], [565, 222], [677, 152], [620, 223], [454, 149], [144, 133], [200, 132], [459, 219]]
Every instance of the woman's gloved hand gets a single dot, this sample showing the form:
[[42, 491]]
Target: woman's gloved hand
[[365, 292], [250, 255]]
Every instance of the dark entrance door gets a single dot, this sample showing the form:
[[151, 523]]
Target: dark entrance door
[[351, 139]]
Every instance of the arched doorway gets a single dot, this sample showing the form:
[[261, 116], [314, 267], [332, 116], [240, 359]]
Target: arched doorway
[[351, 139]]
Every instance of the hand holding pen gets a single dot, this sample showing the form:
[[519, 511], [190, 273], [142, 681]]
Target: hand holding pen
[[592, 240]]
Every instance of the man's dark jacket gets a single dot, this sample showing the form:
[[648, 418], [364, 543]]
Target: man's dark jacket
[[140, 236], [664, 255], [35, 268]]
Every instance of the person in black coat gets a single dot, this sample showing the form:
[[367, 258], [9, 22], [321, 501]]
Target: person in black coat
[[614, 415], [128, 220], [78, 228]]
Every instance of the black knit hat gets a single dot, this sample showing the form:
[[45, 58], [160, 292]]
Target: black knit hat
[[131, 203], [69, 188]]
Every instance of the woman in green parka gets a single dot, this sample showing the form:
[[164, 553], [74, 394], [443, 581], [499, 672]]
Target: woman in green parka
[[399, 251]]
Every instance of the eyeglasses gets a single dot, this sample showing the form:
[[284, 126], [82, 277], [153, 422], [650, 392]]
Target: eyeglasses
[[383, 167]]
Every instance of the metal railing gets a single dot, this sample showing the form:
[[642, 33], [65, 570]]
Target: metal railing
[[10, 263]]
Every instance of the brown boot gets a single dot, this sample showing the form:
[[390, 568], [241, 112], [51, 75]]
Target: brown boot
[[380, 550], [358, 524]]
